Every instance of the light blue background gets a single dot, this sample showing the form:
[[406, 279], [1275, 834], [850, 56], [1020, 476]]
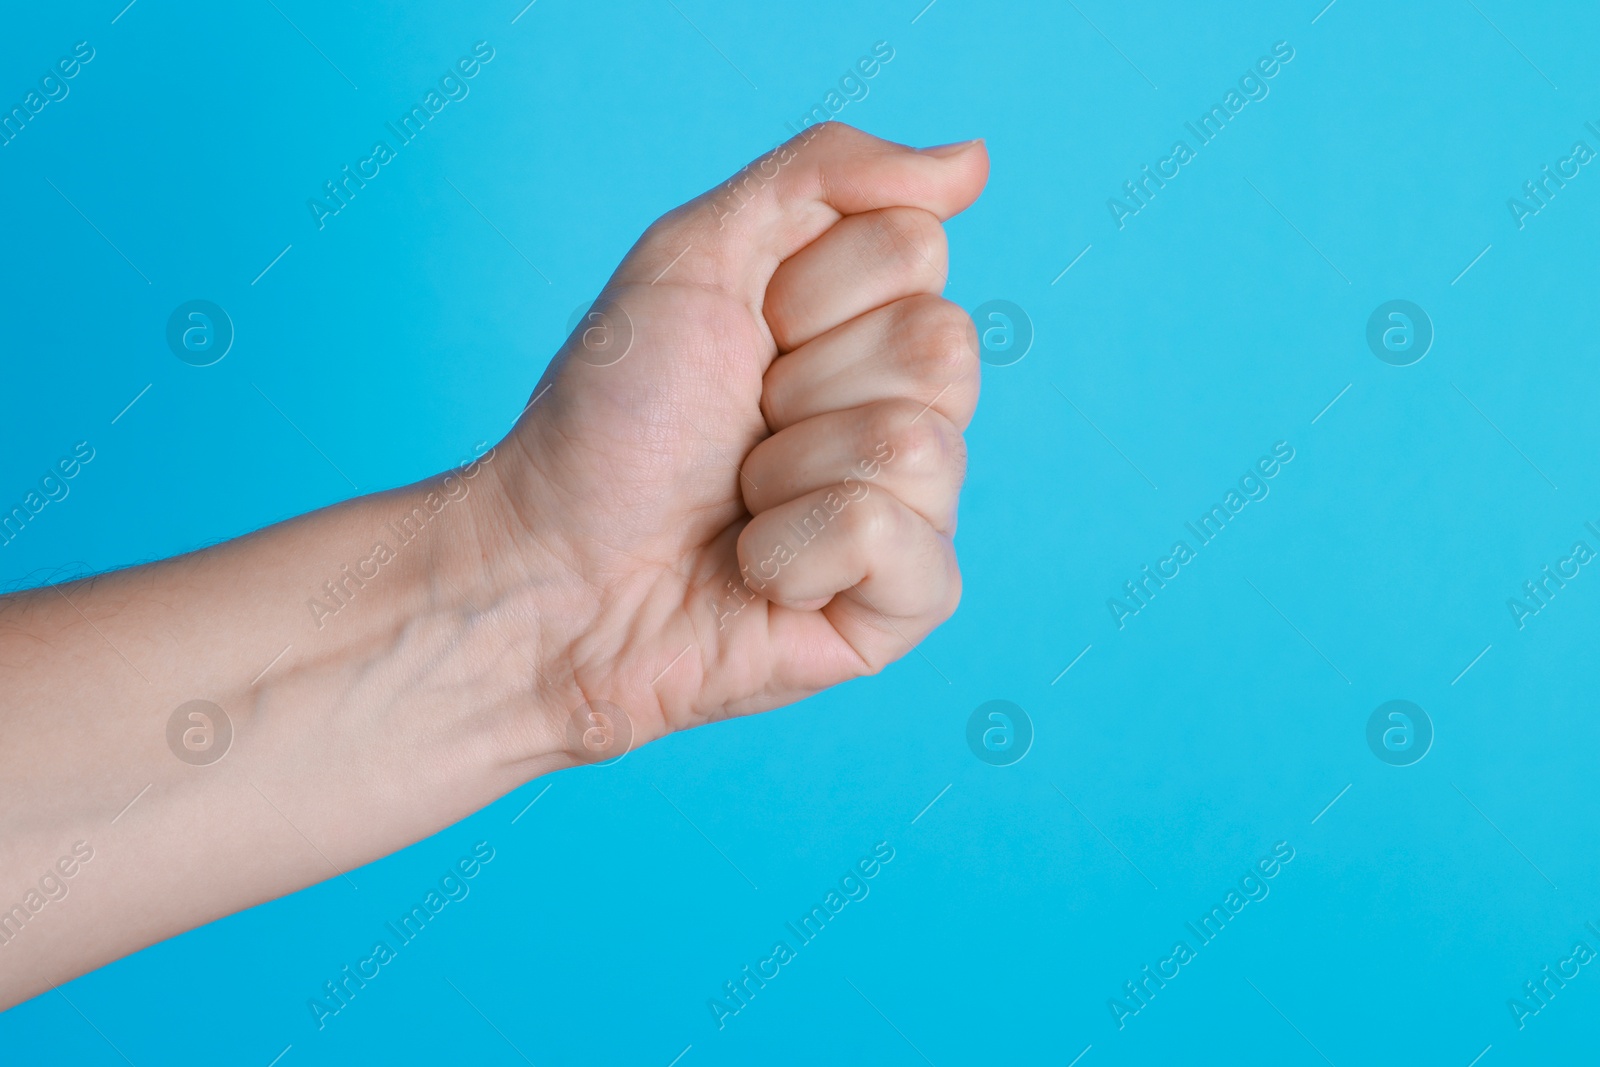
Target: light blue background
[[1207, 730]]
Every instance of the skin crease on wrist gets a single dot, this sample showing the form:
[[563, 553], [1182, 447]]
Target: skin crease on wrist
[[736, 486]]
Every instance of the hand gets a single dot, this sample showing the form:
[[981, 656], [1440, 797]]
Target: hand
[[735, 486], [741, 471]]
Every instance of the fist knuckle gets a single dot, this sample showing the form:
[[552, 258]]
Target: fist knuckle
[[915, 242], [832, 131], [873, 524], [914, 435], [676, 226], [952, 599], [893, 426], [947, 345]]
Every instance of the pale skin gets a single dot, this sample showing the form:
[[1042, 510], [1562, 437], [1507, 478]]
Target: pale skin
[[754, 503]]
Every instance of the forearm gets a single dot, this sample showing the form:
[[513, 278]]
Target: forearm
[[374, 696], [680, 532]]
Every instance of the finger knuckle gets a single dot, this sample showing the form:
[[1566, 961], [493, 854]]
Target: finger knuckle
[[912, 437], [944, 340], [832, 130], [952, 599], [871, 523], [914, 243], [763, 557]]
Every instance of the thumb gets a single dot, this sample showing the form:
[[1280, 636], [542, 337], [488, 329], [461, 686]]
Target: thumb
[[733, 237]]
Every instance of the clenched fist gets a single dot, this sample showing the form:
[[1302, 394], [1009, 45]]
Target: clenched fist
[[741, 472], [735, 486]]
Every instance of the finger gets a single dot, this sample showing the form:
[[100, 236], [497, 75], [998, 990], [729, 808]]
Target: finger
[[922, 347], [858, 541], [898, 445], [864, 262], [733, 237]]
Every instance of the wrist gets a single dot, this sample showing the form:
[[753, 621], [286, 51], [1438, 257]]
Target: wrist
[[543, 585], [518, 606], [493, 607], [422, 658]]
